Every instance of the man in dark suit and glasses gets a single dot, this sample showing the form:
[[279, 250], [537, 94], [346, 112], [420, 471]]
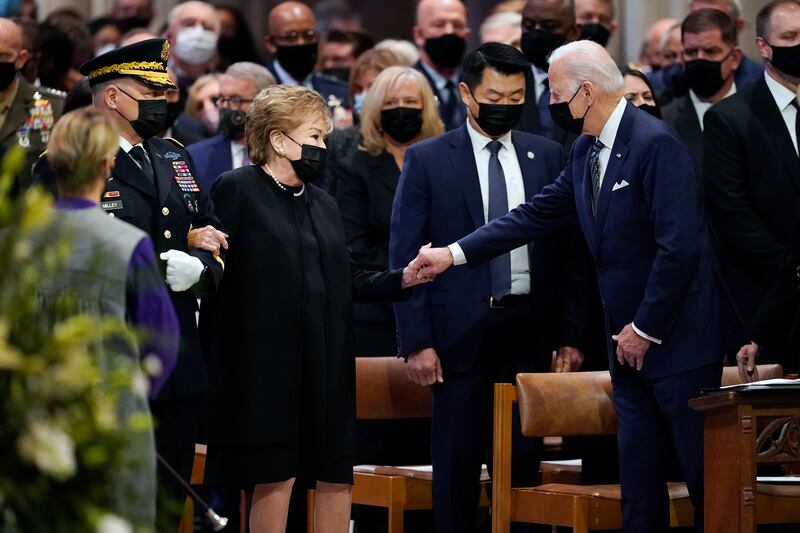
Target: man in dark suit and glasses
[[440, 34], [631, 186], [711, 56], [751, 171], [474, 327]]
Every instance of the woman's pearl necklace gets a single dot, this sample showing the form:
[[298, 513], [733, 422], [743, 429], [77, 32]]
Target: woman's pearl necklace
[[281, 185]]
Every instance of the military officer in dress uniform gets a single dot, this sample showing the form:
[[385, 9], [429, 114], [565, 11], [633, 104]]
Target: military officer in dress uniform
[[27, 113], [153, 187]]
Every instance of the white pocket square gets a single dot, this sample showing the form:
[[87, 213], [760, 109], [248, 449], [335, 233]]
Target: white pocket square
[[621, 185]]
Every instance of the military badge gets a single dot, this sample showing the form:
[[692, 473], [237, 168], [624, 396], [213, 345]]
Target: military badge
[[184, 178], [165, 51], [40, 120]]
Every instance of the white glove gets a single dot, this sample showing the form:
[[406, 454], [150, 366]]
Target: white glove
[[183, 270]]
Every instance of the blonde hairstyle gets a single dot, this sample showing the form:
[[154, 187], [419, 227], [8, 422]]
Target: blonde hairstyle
[[194, 106], [373, 59], [371, 112], [283, 108], [80, 143]]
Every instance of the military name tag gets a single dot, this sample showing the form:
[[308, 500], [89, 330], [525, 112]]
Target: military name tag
[[112, 205]]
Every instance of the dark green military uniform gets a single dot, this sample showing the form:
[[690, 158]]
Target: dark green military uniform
[[28, 123]]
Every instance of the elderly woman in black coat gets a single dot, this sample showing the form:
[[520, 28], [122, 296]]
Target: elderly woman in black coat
[[278, 331]]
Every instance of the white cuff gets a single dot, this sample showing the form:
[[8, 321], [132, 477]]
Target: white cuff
[[644, 335], [458, 254]]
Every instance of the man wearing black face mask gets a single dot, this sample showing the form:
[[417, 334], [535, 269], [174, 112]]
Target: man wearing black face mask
[[711, 56], [293, 41], [546, 25], [153, 187], [440, 34], [26, 113], [227, 150], [481, 325], [750, 172], [596, 19]]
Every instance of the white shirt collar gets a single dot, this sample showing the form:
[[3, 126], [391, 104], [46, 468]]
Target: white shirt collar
[[126, 145], [539, 75], [237, 146], [479, 141], [609, 133], [438, 80], [782, 96]]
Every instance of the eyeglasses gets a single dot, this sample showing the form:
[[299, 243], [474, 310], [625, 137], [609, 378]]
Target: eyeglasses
[[296, 37], [232, 102]]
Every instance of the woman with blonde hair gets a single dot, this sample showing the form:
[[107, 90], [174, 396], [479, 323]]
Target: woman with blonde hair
[[200, 102], [111, 272], [282, 400], [398, 111]]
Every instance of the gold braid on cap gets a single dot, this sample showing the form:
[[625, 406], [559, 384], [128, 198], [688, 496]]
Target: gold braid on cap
[[134, 66]]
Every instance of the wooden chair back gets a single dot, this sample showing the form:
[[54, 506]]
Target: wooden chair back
[[384, 392], [579, 403]]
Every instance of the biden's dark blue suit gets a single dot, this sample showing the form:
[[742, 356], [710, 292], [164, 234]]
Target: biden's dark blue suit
[[439, 200], [656, 269], [211, 158]]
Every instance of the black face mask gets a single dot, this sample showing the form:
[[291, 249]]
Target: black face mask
[[152, 118], [446, 51], [311, 165], [402, 123], [563, 118], [173, 110], [595, 32], [650, 109], [675, 79], [497, 119], [537, 45], [298, 60], [7, 73], [340, 73], [231, 123], [704, 77], [786, 59]]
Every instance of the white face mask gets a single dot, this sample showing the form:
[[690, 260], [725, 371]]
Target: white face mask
[[195, 45]]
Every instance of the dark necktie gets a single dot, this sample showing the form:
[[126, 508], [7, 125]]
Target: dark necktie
[[797, 122], [594, 168], [498, 206], [138, 154], [547, 127], [449, 106]]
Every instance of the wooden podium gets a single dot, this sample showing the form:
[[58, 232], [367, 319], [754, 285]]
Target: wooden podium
[[744, 428]]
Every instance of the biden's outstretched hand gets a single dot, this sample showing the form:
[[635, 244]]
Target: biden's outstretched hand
[[431, 262]]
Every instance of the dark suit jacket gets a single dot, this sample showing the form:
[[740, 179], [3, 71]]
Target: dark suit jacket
[[459, 114], [439, 200], [326, 86], [681, 115], [211, 158], [751, 173], [654, 257], [530, 122], [365, 195]]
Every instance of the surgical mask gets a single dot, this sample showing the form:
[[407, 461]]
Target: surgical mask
[[704, 77], [358, 101], [786, 59], [402, 124], [563, 118], [537, 45], [446, 51], [195, 45], [152, 118], [595, 32], [650, 109], [108, 47], [497, 119], [298, 60], [8, 71], [231, 123], [311, 165]]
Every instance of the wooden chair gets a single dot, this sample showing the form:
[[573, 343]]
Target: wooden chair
[[384, 392], [582, 404], [562, 404]]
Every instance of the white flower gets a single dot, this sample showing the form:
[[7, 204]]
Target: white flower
[[50, 448], [152, 365], [110, 523]]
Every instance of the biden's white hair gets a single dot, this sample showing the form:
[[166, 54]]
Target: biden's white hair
[[588, 61]]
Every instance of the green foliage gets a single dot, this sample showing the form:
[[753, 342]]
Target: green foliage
[[61, 443]]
